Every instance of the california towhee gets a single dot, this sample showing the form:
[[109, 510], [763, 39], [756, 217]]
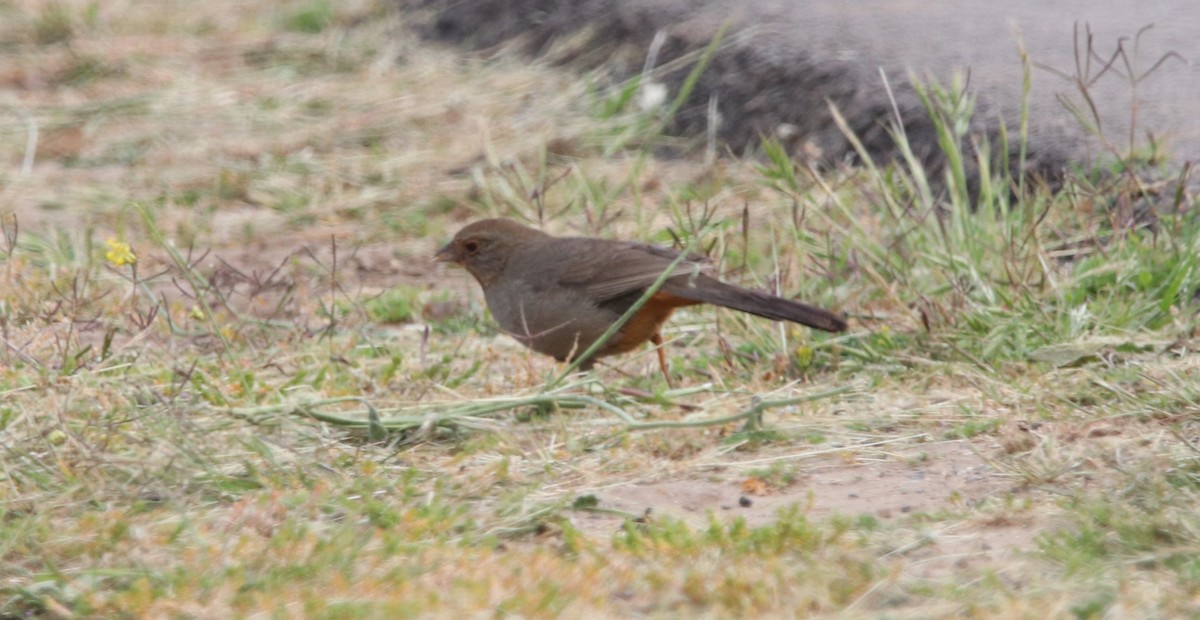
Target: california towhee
[[558, 295]]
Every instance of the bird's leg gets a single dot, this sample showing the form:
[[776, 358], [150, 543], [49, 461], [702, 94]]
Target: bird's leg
[[657, 341]]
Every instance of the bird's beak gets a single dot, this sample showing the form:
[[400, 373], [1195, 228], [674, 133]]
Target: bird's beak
[[446, 254]]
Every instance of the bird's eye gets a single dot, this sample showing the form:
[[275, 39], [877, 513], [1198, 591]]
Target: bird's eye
[[471, 247]]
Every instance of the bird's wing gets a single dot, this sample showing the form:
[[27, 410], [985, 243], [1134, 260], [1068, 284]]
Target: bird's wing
[[604, 270]]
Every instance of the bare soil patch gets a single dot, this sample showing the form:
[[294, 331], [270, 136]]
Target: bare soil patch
[[925, 478]]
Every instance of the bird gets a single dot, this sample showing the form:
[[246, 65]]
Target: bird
[[558, 295]]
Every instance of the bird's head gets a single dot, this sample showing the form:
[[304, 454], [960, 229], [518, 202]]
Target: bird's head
[[484, 247]]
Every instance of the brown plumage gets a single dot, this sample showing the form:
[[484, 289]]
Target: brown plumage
[[558, 295]]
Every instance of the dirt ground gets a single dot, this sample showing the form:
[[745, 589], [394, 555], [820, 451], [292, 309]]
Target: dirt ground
[[906, 481]]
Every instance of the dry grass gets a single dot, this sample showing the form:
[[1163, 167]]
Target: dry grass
[[283, 408]]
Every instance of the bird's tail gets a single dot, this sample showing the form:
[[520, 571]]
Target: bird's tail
[[713, 291]]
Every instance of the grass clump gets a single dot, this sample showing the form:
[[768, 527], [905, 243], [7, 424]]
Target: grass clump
[[54, 24], [311, 18], [393, 306]]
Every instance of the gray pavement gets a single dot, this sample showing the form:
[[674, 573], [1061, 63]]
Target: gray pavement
[[943, 36], [795, 55]]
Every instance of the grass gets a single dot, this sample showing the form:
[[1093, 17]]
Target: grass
[[232, 383]]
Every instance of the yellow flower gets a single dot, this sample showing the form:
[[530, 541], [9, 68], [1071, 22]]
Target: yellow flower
[[804, 356], [119, 253]]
